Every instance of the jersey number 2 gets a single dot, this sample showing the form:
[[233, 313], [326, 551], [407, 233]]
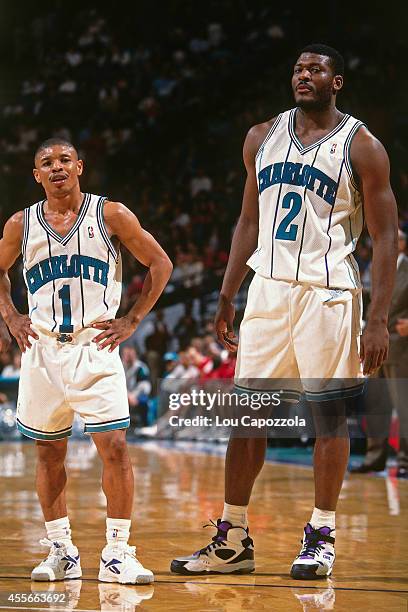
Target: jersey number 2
[[65, 297], [288, 230]]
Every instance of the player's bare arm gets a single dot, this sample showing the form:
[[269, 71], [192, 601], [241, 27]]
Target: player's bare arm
[[123, 224], [371, 164], [244, 240], [10, 248]]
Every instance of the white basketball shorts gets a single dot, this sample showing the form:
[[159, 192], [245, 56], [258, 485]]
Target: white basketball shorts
[[59, 379], [308, 334]]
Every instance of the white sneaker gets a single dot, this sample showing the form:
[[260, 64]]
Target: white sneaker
[[317, 556], [230, 552], [119, 564], [62, 563]]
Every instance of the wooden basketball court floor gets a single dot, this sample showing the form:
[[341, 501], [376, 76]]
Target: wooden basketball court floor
[[177, 491]]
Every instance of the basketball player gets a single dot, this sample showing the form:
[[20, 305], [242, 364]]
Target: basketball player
[[309, 170], [70, 362]]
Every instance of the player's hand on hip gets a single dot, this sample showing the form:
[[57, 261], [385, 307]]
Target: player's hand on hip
[[223, 322], [114, 332], [374, 347], [5, 338], [20, 327]]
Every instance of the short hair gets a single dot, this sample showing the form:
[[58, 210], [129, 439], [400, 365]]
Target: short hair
[[336, 59], [50, 142]]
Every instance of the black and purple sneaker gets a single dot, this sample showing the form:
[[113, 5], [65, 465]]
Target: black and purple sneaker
[[316, 558], [230, 552]]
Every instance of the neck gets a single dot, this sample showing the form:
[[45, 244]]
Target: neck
[[67, 201], [320, 118]]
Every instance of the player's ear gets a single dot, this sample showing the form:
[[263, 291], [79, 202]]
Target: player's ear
[[80, 166], [337, 83], [36, 175]]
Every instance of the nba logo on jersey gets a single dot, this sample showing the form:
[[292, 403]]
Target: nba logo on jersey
[[333, 148], [90, 231]]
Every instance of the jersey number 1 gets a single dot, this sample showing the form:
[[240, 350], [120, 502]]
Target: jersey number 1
[[288, 230], [65, 297]]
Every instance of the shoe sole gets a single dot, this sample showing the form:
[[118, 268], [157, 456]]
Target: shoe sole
[[46, 578], [139, 580], [305, 575], [185, 572]]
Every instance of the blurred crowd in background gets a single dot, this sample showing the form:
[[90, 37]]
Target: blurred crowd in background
[[158, 108]]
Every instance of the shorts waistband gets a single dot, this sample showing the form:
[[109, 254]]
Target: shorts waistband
[[83, 336]]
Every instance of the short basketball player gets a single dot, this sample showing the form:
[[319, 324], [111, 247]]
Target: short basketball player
[[309, 170], [70, 363]]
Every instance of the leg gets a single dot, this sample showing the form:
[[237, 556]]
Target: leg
[[244, 460], [117, 475], [51, 478], [51, 481], [118, 561], [331, 452]]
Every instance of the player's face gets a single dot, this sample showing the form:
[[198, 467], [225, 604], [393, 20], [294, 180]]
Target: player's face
[[313, 81], [57, 169]]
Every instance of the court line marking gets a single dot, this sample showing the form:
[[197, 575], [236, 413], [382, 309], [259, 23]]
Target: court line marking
[[224, 584]]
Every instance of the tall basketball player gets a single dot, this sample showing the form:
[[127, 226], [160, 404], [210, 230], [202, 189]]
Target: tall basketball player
[[70, 364], [309, 171]]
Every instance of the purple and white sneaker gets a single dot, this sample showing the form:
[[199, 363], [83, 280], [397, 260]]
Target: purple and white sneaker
[[230, 552], [316, 557]]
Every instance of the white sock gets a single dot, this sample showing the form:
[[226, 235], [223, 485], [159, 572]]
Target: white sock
[[59, 530], [117, 531], [236, 515], [323, 518]]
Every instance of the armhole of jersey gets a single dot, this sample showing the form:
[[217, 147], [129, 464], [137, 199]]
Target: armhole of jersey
[[347, 148], [269, 134], [103, 230], [26, 229]]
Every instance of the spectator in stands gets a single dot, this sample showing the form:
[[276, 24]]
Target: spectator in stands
[[12, 370], [200, 182], [186, 328], [138, 385], [156, 345], [395, 371]]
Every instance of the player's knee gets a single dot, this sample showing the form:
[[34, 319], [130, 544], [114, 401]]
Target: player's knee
[[115, 450], [51, 453]]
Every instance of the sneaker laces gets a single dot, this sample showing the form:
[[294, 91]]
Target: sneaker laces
[[217, 540], [129, 551], [312, 544], [56, 550]]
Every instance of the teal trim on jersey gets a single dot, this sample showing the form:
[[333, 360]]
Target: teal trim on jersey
[[322, 396], [102, 228], [346, 152], [269, 134], [120, 424], [297, 142], [38, 435], [81, 216]]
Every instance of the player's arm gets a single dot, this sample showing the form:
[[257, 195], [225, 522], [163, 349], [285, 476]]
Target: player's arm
[[371, 164], [10, 248], [244, 240], [123, 224]]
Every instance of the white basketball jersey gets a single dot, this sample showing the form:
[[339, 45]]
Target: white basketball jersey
[[310, 210], [75, 280]]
